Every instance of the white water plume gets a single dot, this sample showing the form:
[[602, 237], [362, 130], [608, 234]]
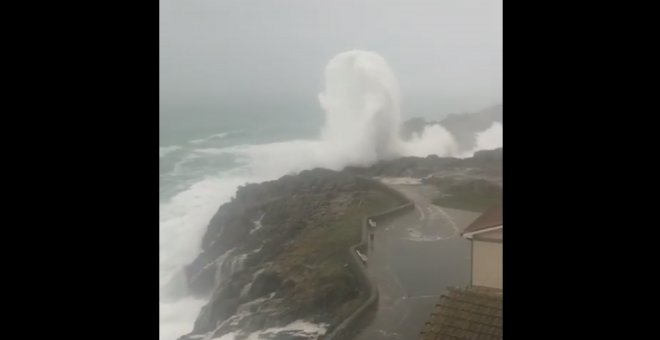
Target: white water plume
[[361, 103], [491, 138]]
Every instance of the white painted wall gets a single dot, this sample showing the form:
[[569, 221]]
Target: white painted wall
[[487, 264]]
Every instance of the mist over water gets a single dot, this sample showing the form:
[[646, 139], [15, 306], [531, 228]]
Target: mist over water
[[361, 101]]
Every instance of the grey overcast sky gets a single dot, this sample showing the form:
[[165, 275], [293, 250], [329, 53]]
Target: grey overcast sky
[[447, 54]]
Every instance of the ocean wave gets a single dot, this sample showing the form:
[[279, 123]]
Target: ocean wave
[[177, 317], [183, 220], [165, 150], [211, 137], [489, 139]]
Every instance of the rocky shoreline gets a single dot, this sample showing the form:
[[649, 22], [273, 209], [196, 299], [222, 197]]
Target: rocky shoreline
[[277, 252]]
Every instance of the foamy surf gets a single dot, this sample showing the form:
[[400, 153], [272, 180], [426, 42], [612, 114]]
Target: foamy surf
[[165, 150], [183, 221], [177, 317], [216, 136], [491, 138]]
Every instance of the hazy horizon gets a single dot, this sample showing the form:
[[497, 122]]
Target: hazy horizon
[[220, 57]]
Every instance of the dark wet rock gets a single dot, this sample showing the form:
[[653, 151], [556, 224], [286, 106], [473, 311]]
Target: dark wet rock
[[265, 283]]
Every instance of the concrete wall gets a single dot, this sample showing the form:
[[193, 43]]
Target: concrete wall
[[487, 264]]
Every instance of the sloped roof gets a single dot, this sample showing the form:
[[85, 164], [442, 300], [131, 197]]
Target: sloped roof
[[490, 236], [470, 313], [490, 218]]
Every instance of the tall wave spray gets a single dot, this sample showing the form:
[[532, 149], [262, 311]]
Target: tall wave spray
[[363, 116], [361, 101]]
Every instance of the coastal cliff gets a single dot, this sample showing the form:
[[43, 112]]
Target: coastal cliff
[[277, 252]]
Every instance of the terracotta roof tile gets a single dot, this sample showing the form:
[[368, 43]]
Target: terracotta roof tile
[[471, 313], [490, 218]]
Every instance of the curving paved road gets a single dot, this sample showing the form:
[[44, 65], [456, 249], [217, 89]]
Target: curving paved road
[[413, 259]]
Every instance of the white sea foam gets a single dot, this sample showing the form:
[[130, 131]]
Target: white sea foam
[[209, 138], [164, 150], [177, 317], [489, 139], [492, 138], [183, 220]]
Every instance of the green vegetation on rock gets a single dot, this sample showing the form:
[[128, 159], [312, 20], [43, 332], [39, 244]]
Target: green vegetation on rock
[[317, 260], [474, 194]]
